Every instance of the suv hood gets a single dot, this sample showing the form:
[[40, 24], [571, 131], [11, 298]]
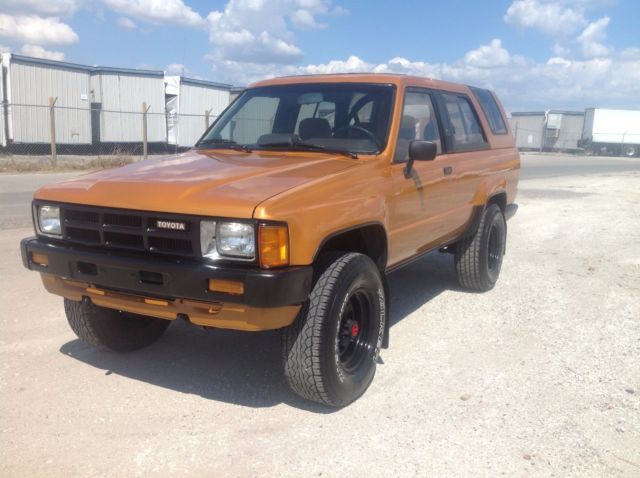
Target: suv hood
[[208, 183]]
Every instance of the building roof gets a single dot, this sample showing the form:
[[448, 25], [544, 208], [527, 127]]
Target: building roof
[[198, 82], [86, 68], [43, 61], [127, 71], [542, 113]]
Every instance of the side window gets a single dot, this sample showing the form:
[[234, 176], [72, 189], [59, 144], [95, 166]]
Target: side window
[[491, 110], [464, 132], [418, 123]]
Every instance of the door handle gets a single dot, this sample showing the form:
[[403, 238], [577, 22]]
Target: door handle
[[447, 170]]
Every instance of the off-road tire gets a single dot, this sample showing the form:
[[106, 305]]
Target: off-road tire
[[109, 329], [311, 346], [478, 258], [630, 151]]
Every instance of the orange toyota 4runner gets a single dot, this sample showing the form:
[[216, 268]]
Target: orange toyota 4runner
[[288, 214]]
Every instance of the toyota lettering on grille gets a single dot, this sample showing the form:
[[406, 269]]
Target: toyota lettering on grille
[[175, 226]]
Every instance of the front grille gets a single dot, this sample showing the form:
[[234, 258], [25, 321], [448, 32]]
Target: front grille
[[131, 230]]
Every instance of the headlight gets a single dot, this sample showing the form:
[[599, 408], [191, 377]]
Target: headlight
[[48, 220], [222, 239]]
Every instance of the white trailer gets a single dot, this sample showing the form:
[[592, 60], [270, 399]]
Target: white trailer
[[611, 131]]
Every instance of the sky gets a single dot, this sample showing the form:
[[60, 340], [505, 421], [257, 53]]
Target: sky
[[536, 54]]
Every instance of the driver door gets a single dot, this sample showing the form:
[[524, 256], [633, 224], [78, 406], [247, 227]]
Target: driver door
[[419, 204]]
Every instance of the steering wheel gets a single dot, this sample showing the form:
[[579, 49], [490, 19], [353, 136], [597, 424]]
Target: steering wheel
[[365, 131]]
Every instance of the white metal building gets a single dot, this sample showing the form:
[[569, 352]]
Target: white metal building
[[235, 92], [117, 97], [3, 138], [28, 85], [555, 130], [191, 105]]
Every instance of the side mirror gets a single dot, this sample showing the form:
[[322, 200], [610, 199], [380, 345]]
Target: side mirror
[[420, 151]]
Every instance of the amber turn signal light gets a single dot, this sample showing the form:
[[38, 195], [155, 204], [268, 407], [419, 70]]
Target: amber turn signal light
[[273, 246], [40, 259], [227, 286]]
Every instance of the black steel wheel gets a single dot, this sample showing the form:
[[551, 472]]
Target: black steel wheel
[[330, 351], [478, 258], [354, 340]]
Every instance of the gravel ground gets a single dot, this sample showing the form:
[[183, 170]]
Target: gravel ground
[[538, 377]]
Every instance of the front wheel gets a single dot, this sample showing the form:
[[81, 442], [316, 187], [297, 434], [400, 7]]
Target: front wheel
[[109, 329], [478, 258], [330, 351]]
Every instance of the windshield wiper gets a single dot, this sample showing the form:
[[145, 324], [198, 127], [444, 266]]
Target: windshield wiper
[[308, 146], [225, 143]]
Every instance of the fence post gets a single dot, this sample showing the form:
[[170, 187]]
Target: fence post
[[145, 109], [206, 119], [52, 126]]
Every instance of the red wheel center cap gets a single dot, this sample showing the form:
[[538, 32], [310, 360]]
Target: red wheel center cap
[[355, 330]]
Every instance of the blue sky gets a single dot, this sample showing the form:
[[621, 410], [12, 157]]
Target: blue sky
[[536, 54]]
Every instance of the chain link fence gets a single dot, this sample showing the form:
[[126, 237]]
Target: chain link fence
[[36, 137], [51, 136]]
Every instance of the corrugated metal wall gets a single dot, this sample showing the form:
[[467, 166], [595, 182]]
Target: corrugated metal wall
[[121, 97], [194, 100], [569, 133], [31, 85], [527, 130], [3, 139]]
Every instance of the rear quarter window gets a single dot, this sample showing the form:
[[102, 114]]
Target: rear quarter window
[[491, 110], [463, 131]]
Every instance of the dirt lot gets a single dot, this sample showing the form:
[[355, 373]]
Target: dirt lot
[[539, 377]]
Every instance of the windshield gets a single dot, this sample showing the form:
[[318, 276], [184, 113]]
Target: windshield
[[343, 117]]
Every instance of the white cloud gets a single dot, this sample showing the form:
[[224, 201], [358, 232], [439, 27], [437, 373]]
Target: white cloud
[[126, 23], [521, 83], [4, 49], [39, 52], [560, 50], [632, 53], [591, 39], [40, 7], [551, 18], [261, 31], [176, 69], [488, 56], [32, 29], [158, 11]]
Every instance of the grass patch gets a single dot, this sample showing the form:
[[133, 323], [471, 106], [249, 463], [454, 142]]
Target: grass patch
[[32, 164]]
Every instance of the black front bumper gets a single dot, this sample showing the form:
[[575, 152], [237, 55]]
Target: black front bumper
[[170, 278]]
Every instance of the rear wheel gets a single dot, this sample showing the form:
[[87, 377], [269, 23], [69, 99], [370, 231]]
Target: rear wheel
[[109, 329], [330, 351], [478, 258], [630, 150]]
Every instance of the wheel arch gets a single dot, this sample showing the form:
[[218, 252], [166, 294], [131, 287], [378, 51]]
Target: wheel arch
[[369, 239], [499, 198]]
